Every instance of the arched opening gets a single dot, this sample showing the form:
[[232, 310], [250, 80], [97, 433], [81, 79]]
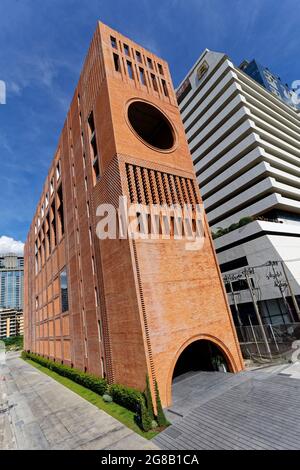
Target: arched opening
[[151, 125], [201, 355]]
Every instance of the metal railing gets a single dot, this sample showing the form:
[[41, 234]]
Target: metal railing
[[269, 341]]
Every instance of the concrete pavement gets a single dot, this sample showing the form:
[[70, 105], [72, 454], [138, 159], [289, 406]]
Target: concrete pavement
[[36, 412]]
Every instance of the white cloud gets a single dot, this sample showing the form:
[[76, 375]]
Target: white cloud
[[9, 245]]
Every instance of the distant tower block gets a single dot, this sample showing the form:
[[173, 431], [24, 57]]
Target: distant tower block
[[123, 308]]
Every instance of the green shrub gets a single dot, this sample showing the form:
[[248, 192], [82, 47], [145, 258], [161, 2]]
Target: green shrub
[[148, 398], [244, 221], [233, 227], [128, 397], [145, 418], [90, 381]]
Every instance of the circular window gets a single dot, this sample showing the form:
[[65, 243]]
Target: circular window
[[151, 125]]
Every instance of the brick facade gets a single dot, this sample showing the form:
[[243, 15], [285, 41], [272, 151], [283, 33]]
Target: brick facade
[[133, 305]]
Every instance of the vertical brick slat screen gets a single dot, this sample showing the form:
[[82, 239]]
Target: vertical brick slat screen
[[155, 187]]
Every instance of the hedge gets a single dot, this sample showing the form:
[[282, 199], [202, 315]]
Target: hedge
[[127, 397], [90, 381]]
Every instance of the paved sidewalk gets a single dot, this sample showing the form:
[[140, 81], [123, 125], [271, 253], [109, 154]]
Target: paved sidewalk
[[36, 412], [258, 409]]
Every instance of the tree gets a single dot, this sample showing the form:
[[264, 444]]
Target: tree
[[148, 398], [161, 419]]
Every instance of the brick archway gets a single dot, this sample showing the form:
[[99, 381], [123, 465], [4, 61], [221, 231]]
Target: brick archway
[[223, 349]]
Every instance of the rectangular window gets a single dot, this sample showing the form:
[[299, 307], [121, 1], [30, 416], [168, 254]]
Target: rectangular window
[[94, 147], [154, 82], [150, 63], [99, 331], [138, 56], [96, 170], [47, 236], [64, 291], [160, 69], [60, 212], [53, 226], [142, 76], [117, 62], [165, 88], [51, 186], [126, 50], [130, 69], [58, 171], [96, 297], [91, 123], [113, 42]]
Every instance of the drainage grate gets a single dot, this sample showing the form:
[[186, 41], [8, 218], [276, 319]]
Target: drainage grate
[[173, 432]]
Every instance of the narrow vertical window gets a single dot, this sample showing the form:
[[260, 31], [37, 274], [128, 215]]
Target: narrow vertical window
[[165, 88], [154, 82], [64, 291], [160, 69], [60, 212], [99, 331], [51, 186], [116, 62], [126, 50], [91, 123], [96, 297], [142, 76], [149, 62], [138, 56], [58, 171], [130, 69], [113, 42]]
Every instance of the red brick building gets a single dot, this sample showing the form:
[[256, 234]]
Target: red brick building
[[122, 308]]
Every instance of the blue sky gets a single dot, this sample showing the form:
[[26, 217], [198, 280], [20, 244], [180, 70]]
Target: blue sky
[[43, 44]]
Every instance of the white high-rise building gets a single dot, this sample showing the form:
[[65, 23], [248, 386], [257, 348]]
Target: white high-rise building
[[244, 136]]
